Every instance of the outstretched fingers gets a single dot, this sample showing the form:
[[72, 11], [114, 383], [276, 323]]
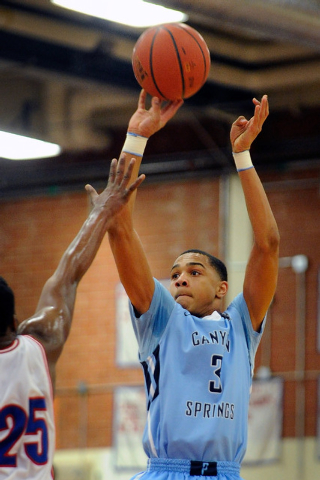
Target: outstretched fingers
[[113, 169], [142, 100], [127, 176], [92, 193], [117, 169], [120, 176], [136, 184], [169, 110], [164, 113], [264, 107], [261, 111]]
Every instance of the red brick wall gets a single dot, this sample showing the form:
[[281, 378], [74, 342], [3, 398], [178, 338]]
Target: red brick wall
[[169, 218]]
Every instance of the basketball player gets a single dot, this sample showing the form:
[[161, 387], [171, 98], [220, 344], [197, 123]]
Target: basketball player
[[29, 351], [197, 359]]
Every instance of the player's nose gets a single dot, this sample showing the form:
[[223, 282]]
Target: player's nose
[[181, 281]]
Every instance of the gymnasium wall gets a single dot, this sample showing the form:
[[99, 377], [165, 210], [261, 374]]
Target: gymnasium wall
[[170, 218]]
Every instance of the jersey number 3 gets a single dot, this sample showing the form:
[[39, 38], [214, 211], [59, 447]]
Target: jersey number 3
[[215, 385], [19, 425]]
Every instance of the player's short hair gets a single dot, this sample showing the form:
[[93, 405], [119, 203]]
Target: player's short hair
[[6, 306], [215, 263]]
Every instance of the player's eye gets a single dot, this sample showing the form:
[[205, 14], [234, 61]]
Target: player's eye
[[195, 273], [174, 276]]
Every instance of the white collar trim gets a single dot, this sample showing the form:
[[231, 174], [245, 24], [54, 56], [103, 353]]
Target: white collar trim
[[214, 316]]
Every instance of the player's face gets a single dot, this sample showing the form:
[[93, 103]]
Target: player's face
[[196, 285]]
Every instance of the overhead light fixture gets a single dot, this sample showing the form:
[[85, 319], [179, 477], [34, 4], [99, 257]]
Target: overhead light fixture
[[17, 147], [135, 13]]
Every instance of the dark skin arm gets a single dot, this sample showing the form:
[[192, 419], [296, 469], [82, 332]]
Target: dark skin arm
[[262, 268], [51, 323], [132, 264]]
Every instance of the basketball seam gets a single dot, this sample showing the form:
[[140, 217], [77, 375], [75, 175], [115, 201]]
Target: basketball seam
[[179, 60], [202, 52], [151, 64]]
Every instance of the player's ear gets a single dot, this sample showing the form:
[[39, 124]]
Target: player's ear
[[222, 289]]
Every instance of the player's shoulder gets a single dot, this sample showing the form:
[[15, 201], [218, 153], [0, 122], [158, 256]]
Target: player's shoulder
[[238, 304], [31, 342], [161, 291]]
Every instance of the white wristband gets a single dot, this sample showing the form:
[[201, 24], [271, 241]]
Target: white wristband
[[242, 160], [135, 144]]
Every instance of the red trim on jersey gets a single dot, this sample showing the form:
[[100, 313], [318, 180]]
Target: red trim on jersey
[[11, 347]]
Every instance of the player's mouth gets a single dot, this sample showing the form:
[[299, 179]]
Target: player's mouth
[[179, 295]]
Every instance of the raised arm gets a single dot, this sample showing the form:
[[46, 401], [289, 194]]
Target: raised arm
[[133, 267], [144, 123], [52, 321], [262, 268]]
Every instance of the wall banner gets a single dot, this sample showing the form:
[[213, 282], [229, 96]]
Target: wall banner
[[127, 346], [128, 424], [265, 421]]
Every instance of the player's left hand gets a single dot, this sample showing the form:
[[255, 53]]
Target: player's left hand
[[243, 131], [119, 188], [147, 122]]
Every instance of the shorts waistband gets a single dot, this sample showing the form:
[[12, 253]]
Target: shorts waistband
[[193, 467]]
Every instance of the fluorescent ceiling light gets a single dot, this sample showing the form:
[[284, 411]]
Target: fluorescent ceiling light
[[135, 13], [17, 147]]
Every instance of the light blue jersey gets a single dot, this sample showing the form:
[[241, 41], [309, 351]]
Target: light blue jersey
[[198, 374]]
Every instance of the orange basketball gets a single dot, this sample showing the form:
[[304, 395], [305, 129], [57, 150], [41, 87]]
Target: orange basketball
[[171, 61]]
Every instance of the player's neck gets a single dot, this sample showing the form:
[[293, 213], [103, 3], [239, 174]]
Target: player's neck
[[7, 339]]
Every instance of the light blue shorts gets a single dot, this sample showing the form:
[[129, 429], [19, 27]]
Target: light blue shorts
[[176, 469]]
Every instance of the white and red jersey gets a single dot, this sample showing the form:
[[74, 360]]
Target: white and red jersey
[[27, 432]]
